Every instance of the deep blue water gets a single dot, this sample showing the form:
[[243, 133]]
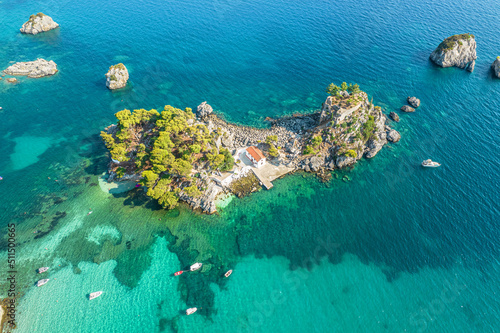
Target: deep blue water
[[400, 248]]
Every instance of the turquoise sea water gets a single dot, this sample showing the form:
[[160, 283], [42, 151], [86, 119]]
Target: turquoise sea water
[[397, 249]]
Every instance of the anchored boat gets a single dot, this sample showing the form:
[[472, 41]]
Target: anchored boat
[[430, 164], [42, 282], [95, 295], [229, 272], [195, 267], [190, 311], [178, 273], [43, 269]]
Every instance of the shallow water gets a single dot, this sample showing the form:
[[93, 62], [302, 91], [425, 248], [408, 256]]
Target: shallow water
[[399, 248]]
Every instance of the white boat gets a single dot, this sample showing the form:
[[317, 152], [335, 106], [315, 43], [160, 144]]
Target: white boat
[[229, 272], [430, 164], [190, 311], [43, 269], [42, 282], [95, 295], [195, 267]]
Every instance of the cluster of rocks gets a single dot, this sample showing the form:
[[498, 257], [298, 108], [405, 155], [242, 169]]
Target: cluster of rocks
[[117, 76], [33, 69], [458, 51], [413, 101], [38, 23]]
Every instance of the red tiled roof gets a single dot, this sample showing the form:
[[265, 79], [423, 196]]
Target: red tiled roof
[[255, 153]]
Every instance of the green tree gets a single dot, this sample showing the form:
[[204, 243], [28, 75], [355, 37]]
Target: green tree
[[351, 153], [149, 178], [353, 89], [333, 90], [192, 191], [169, 200], [181, 167], [308, 150], [343, 86], [271, 139], [228, 160], [317, 140], [273, 151]]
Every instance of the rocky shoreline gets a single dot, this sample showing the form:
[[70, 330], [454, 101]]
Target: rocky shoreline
[[346, 129]]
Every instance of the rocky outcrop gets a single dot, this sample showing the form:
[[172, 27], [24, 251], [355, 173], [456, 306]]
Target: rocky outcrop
[[11, 80], [117, 77], [380, 138], [38, 23], [407, 108], [343, 161], [413, 101], [33, 69], [203, 110], [394, 116], [458, 51], [393, 135], [495, 67]]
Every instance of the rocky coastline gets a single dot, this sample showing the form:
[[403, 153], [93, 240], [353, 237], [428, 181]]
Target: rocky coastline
[[456, 50], [38, 23], [33, 69], [346, 129]]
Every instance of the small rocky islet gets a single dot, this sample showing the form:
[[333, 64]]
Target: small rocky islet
[[180, 156], [456, 50], [32, 69], [117, 76], [495, 67], [38, 23]]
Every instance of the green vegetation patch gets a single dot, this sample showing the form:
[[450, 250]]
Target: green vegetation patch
[[449, 42], [164, 149]]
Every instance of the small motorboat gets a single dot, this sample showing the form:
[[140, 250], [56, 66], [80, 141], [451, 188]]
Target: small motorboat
[[43, 269], [42, 282], [190, 311], [229, 272], [430, 164], [89, 213], [178, 273], [195, 267], [95, 295]]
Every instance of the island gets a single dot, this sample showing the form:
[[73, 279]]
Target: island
[[33, 69], [495, 67], [456, 50], [117, 76], [38, 23], [179, 156]]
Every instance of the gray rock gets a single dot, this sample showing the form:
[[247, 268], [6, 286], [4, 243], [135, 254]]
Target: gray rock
[[33, 69], [38, 23], [413, 101], [407, 108], [457, 50], [117, 76], [394, 116], [343, 161], [316, 162], [495, 67], [393, 136], [203, 110]]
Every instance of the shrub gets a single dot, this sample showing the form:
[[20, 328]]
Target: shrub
[[273, 151], [449, 42], [351, 153], [308, 150]]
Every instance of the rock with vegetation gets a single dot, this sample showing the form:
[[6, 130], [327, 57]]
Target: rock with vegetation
[[38, 23], [456, 50], [394, 116], [495, 67], [203, 110], [117, 76], [407, 108], [180, 158], [413, 101], [33, 69]]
